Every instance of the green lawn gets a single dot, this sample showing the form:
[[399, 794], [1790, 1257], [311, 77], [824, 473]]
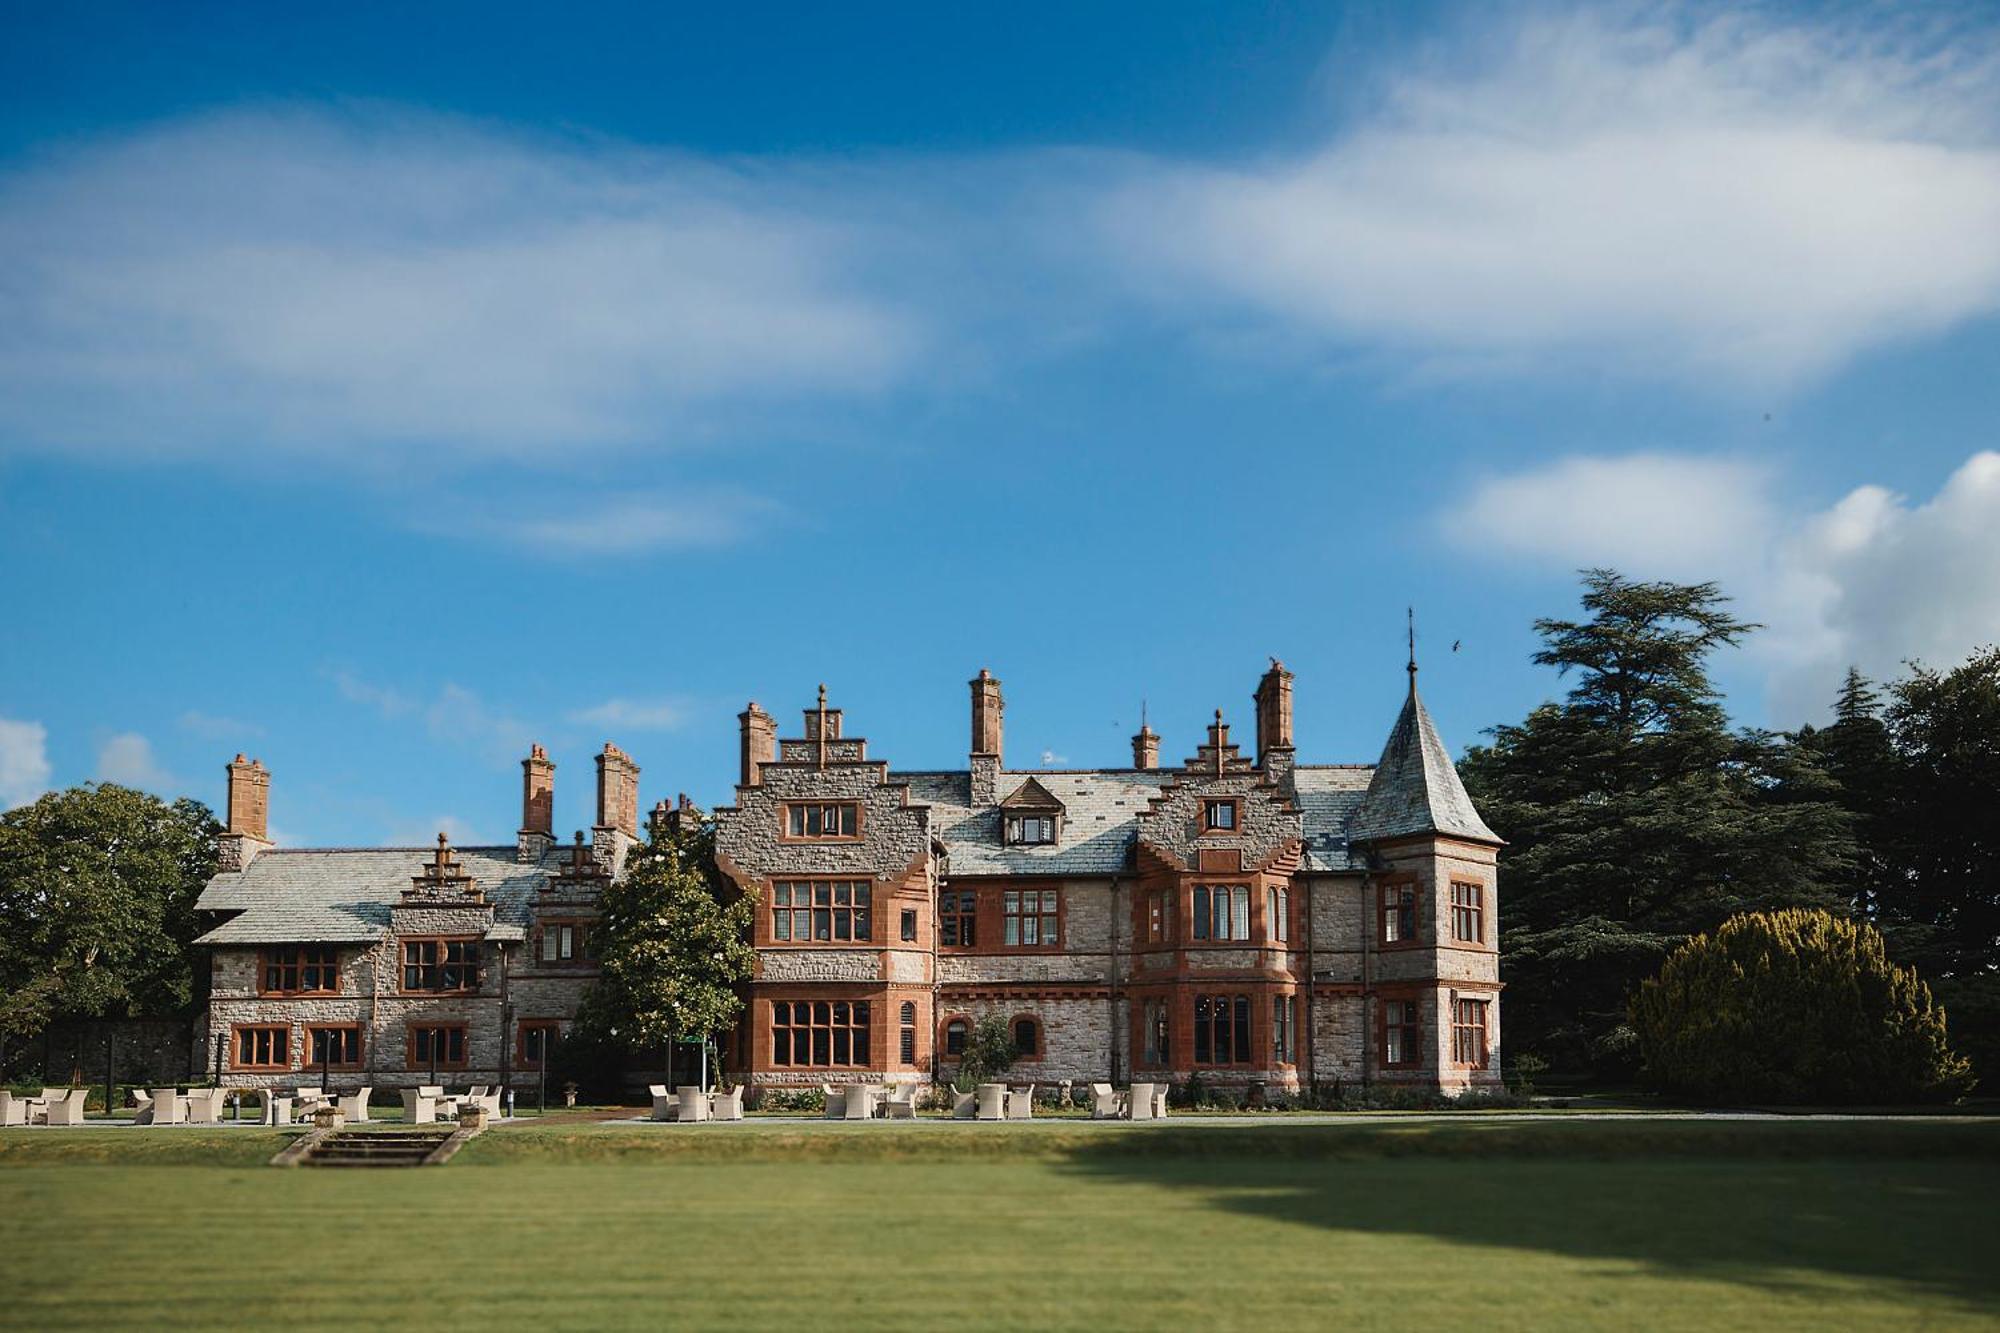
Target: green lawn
[[1651, 1224]]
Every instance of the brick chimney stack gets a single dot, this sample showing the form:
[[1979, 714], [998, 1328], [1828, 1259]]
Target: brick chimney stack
[[1145, 747], [538, 799], [987, 710], [1274, 719], [760, 742], [617, 791], [248, 827]]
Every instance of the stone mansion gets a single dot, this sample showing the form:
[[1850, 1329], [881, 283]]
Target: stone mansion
[[1251, 920]]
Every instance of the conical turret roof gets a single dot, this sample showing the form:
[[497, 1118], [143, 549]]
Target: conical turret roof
[[1416, 789]]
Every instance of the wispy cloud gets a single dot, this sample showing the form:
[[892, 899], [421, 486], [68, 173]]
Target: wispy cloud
[[578, 525], [128, 760], [384, 699], [633, 714], [1697, 193], [24, 762], [1870, 581]]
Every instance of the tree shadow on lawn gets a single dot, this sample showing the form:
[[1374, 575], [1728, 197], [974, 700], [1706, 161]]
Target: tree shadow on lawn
[[1759, 1205]]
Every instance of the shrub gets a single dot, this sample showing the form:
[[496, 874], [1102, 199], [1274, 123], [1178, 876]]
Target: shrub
[[1794, 1007], [989, 1053], [1521, 1071], [810, 1100]]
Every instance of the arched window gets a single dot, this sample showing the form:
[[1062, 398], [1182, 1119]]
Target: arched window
[[907, 1047], [909, 1011], [1027, 1037], [955, 1034]]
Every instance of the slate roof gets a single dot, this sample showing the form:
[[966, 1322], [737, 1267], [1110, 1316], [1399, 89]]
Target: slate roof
[[1415, 788], [343, 895], [1328, 796], [1100, 819]]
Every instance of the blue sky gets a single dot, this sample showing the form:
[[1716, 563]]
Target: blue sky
[[380, 392]]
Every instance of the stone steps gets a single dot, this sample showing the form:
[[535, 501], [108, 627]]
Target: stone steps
[[375, 1148]]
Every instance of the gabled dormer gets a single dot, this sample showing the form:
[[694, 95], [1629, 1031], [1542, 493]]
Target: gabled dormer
[[1031, 816]]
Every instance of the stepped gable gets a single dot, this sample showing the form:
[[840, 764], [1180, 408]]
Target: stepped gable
[[346, 895], [1269, 829]]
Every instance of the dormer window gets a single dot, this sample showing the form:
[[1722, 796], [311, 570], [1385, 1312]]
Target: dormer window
[[1031, 830], [823, 819], [1219, 815]]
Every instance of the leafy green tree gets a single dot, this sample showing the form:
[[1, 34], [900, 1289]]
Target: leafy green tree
[[97, 892], [1940, 840], [1794, 1007], [989, 1053], [674, 947], [1635, 816], [1858, 755]]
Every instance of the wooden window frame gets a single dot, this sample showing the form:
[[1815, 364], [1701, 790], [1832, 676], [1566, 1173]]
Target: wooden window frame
[[443, 943], [785, 833], [1240, 1022], [1156, 1019], [1207, 890], [548, 1027], [961, 908], [1285, 1033], [1040, 916], [584, 933], [271, 958], [1013, 828], [1210, 804], [1035, 1053], [831, 1024], [857, 888], [1409, 1025], [1384, 913], [1277, 914], [1473, 912], [1468, 1032], [907, 925], [944, 1036], [237, 1031], [360, 1032], [416, 1025]]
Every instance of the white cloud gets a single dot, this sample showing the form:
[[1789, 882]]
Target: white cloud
[[128, 760], [24, 762], [454, 714], [387, 701], [632, 714], [1873, 580], [1718, 197], [375, 286]]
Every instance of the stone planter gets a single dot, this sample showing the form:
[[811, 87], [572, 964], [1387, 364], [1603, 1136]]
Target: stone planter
[[472, 1117], [328, 1117]]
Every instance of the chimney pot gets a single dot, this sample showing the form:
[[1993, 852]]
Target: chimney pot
[[759, 743], [1274, 712]]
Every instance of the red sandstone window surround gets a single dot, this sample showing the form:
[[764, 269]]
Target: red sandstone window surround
[[1222, 1030], [261, 1046], [1468, 1033], [1221, 912], [1284, 1029], [444, 1041], [333, 1045], [822, 821], [908, 1047], [1030, 918], [821, 911], [1157, 916], [441, 966], [1468, 913], [299, 969], [820, 1034], [1027, 1033], [1402, 1034], [958, 919], [1399, 914], [532, 1041], [1221, 814], [1277, 914], [957, 1031]]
